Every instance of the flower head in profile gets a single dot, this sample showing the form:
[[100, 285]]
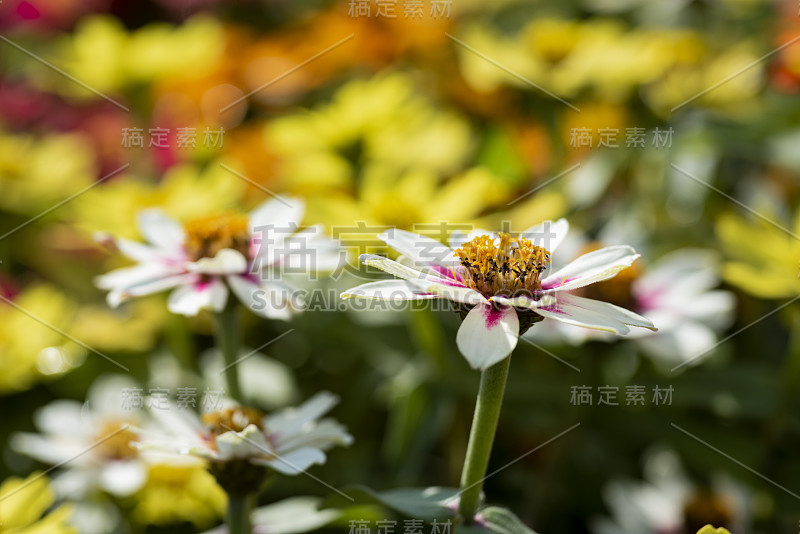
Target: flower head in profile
[[500, 284], [204, 260], [235, 439]]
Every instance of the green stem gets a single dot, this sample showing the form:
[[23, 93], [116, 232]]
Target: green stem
[[481, 437], [239, 508], [228, 341]]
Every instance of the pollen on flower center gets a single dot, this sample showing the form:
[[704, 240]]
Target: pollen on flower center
[[233, 419], [507, 266], [207, 236], [115, 444]]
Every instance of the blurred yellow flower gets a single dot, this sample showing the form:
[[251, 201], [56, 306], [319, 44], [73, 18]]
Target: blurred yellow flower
[[708, 529], [724, 81], [23, 507], [30, 350], [764, 260], [133, 328], [382, 154], [37, 172], [179, 493], [570, 56], [107, 57], [381, 120], [185, 191], [389, 198]]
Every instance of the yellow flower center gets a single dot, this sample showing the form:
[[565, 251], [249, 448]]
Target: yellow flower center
[[233, 419], [207, 236], [507, 266], [116, 442]]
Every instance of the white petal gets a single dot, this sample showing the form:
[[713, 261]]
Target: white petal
[[285, 423], [323, 436], [160, 230], [592, 267], [131, 276], [419, 249], [449, 291], [118, 295], [104, 398], [394, 290], [685, 271], [402, 271], [714, 308], [248, 443], [488, 335], [688, 341], [75, 483], [283, 213], [296, 515], [271, 225], [123, 478], [308, 250], [49, 449], [460, 237], [138, 251], [172, 420], [227, 261], [548, 234], [192, 298], [526, 301], [594, 314], [273, 300], [66, 418], [297, 461]]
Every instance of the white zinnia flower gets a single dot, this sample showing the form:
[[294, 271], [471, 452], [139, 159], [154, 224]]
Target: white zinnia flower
[[667, 502], [496, 280], [660, 292], [91, 440], [207, 257], [288, 441]]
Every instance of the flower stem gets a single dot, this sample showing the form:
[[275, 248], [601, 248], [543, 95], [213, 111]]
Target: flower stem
[[481, 437], [239, 508], [228, 341]]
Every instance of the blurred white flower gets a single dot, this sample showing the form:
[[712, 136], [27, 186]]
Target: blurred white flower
[[667, 502], [296, 515], [205, 259], [288, 441], [676, 292], [91, 440], [495, 281]]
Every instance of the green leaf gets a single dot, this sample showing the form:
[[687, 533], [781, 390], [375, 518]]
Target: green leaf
[[418, 503], [497, 521]]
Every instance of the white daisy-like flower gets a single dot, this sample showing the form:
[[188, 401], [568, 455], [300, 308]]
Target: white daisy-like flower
[[667, 502], [91, 440], [660, 292], [496, 281], [207, 258], [288, 441]]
